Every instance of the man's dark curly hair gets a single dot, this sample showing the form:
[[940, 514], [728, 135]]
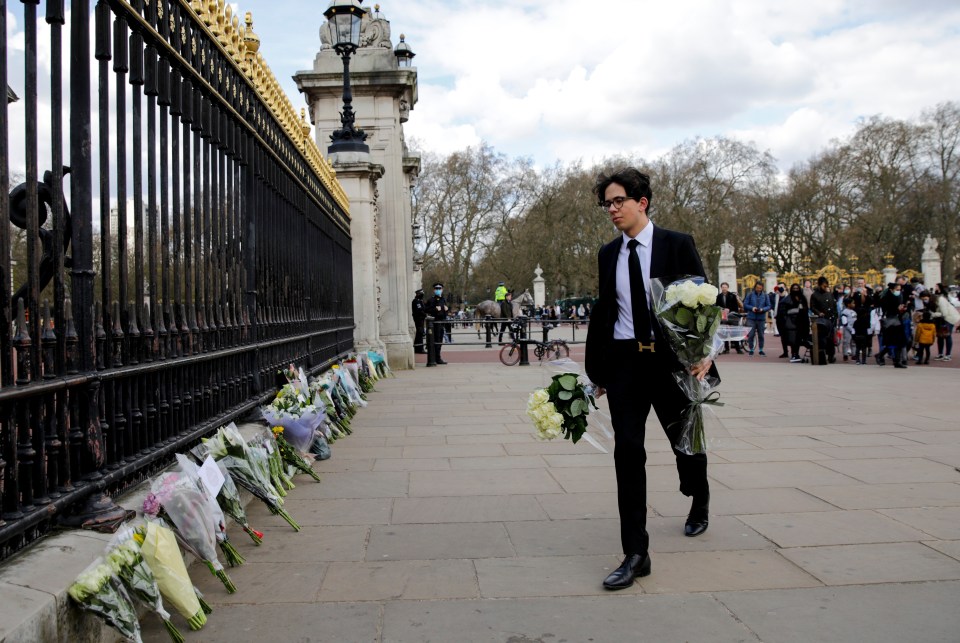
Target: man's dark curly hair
[[634, 182]]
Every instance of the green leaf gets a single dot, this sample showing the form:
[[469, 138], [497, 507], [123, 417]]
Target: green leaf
[[568, 382], [715, 325], [707, 348], [684, 316], [576, 408], [701, 323], [564, 395]]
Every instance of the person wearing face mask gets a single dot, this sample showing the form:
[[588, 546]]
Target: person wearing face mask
[[419, 316], [438, 309], [796, 321], [893, 308]]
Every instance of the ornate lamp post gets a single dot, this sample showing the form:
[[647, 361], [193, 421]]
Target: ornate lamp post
[[345, 17], [403, 53]]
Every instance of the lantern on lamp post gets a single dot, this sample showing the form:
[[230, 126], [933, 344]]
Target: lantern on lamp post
[[345, 17], [403, 53]]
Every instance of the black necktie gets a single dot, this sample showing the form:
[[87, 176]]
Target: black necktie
[[638, 295]]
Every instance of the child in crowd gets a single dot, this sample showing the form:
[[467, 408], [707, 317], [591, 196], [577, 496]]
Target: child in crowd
[[847, 318], [926, 335]]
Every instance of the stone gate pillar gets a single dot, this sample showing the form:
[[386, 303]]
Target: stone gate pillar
[[384, 92], [359, 176]]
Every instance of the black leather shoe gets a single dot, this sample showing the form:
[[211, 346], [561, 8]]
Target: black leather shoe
[[440, 361], [695, 527], [634, 566], [699, 517]]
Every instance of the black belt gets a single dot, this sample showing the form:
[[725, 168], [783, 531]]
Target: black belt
[[632, 345]]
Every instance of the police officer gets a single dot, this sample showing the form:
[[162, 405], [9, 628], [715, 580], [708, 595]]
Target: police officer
[[419, 315], [500, 293], [438, 309]]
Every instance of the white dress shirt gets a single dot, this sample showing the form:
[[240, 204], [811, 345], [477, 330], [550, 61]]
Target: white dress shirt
[[623, 327]]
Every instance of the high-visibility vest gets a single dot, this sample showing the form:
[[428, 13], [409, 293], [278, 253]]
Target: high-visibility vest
[[500, 293]]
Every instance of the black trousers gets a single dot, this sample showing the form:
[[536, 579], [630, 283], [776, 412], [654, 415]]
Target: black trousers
[[782, 329], [641, 380], [418, 343]]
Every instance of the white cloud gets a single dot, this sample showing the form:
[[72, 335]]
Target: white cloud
[[568, 80]]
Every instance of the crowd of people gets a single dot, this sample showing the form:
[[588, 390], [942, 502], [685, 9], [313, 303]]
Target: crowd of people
[[904, 319]]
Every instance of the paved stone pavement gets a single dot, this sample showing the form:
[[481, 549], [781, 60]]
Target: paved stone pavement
[[835, 517]]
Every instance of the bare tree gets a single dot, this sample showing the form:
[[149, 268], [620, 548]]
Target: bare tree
[[940, 148], [461, 202]]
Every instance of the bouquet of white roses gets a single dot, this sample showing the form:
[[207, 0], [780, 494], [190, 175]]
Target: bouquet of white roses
[[561, 408], [687, 311]]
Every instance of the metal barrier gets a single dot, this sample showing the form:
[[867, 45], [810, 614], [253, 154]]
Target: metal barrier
[[488, 328], [221, 252]]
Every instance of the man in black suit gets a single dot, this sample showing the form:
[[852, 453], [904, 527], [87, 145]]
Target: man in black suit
[[628, 358]]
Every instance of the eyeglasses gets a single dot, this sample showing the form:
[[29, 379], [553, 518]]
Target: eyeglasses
[[617, 202]]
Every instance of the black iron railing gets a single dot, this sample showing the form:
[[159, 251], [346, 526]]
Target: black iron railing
[[180, 245]]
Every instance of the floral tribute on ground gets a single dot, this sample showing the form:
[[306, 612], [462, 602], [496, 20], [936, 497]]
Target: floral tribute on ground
[[686, 309], [187, 507]]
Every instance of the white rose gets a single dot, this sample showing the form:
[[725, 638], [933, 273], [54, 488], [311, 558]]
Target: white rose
[[688, 294], [671, 295], [707, 295], [555, 420]]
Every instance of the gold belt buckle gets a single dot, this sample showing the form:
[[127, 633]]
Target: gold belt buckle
[[647, 347]]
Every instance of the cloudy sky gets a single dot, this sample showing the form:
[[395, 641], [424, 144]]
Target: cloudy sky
[[568, 80]]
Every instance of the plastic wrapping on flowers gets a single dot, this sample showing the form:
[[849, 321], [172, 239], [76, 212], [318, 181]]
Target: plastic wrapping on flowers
[[159, 548], [214, 513], [188, 509], [299, 430], [561, 408], [99, 591], [128, 563], [686, 309]]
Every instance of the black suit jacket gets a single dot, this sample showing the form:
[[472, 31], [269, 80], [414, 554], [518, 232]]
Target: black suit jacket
[[673, 254]]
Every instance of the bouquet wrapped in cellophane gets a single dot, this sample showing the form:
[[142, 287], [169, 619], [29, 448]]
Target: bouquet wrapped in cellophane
[[189, 511], [292, 456], [159, 548], [128, 564], [295, 409], [228, 447], [561, 407], [99, 591], [215, 513], [690, 319]]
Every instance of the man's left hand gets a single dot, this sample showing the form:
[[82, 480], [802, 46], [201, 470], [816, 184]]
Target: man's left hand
[[700, 370]]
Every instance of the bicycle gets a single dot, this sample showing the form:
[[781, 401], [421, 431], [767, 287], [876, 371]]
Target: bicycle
[[553, 349]]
